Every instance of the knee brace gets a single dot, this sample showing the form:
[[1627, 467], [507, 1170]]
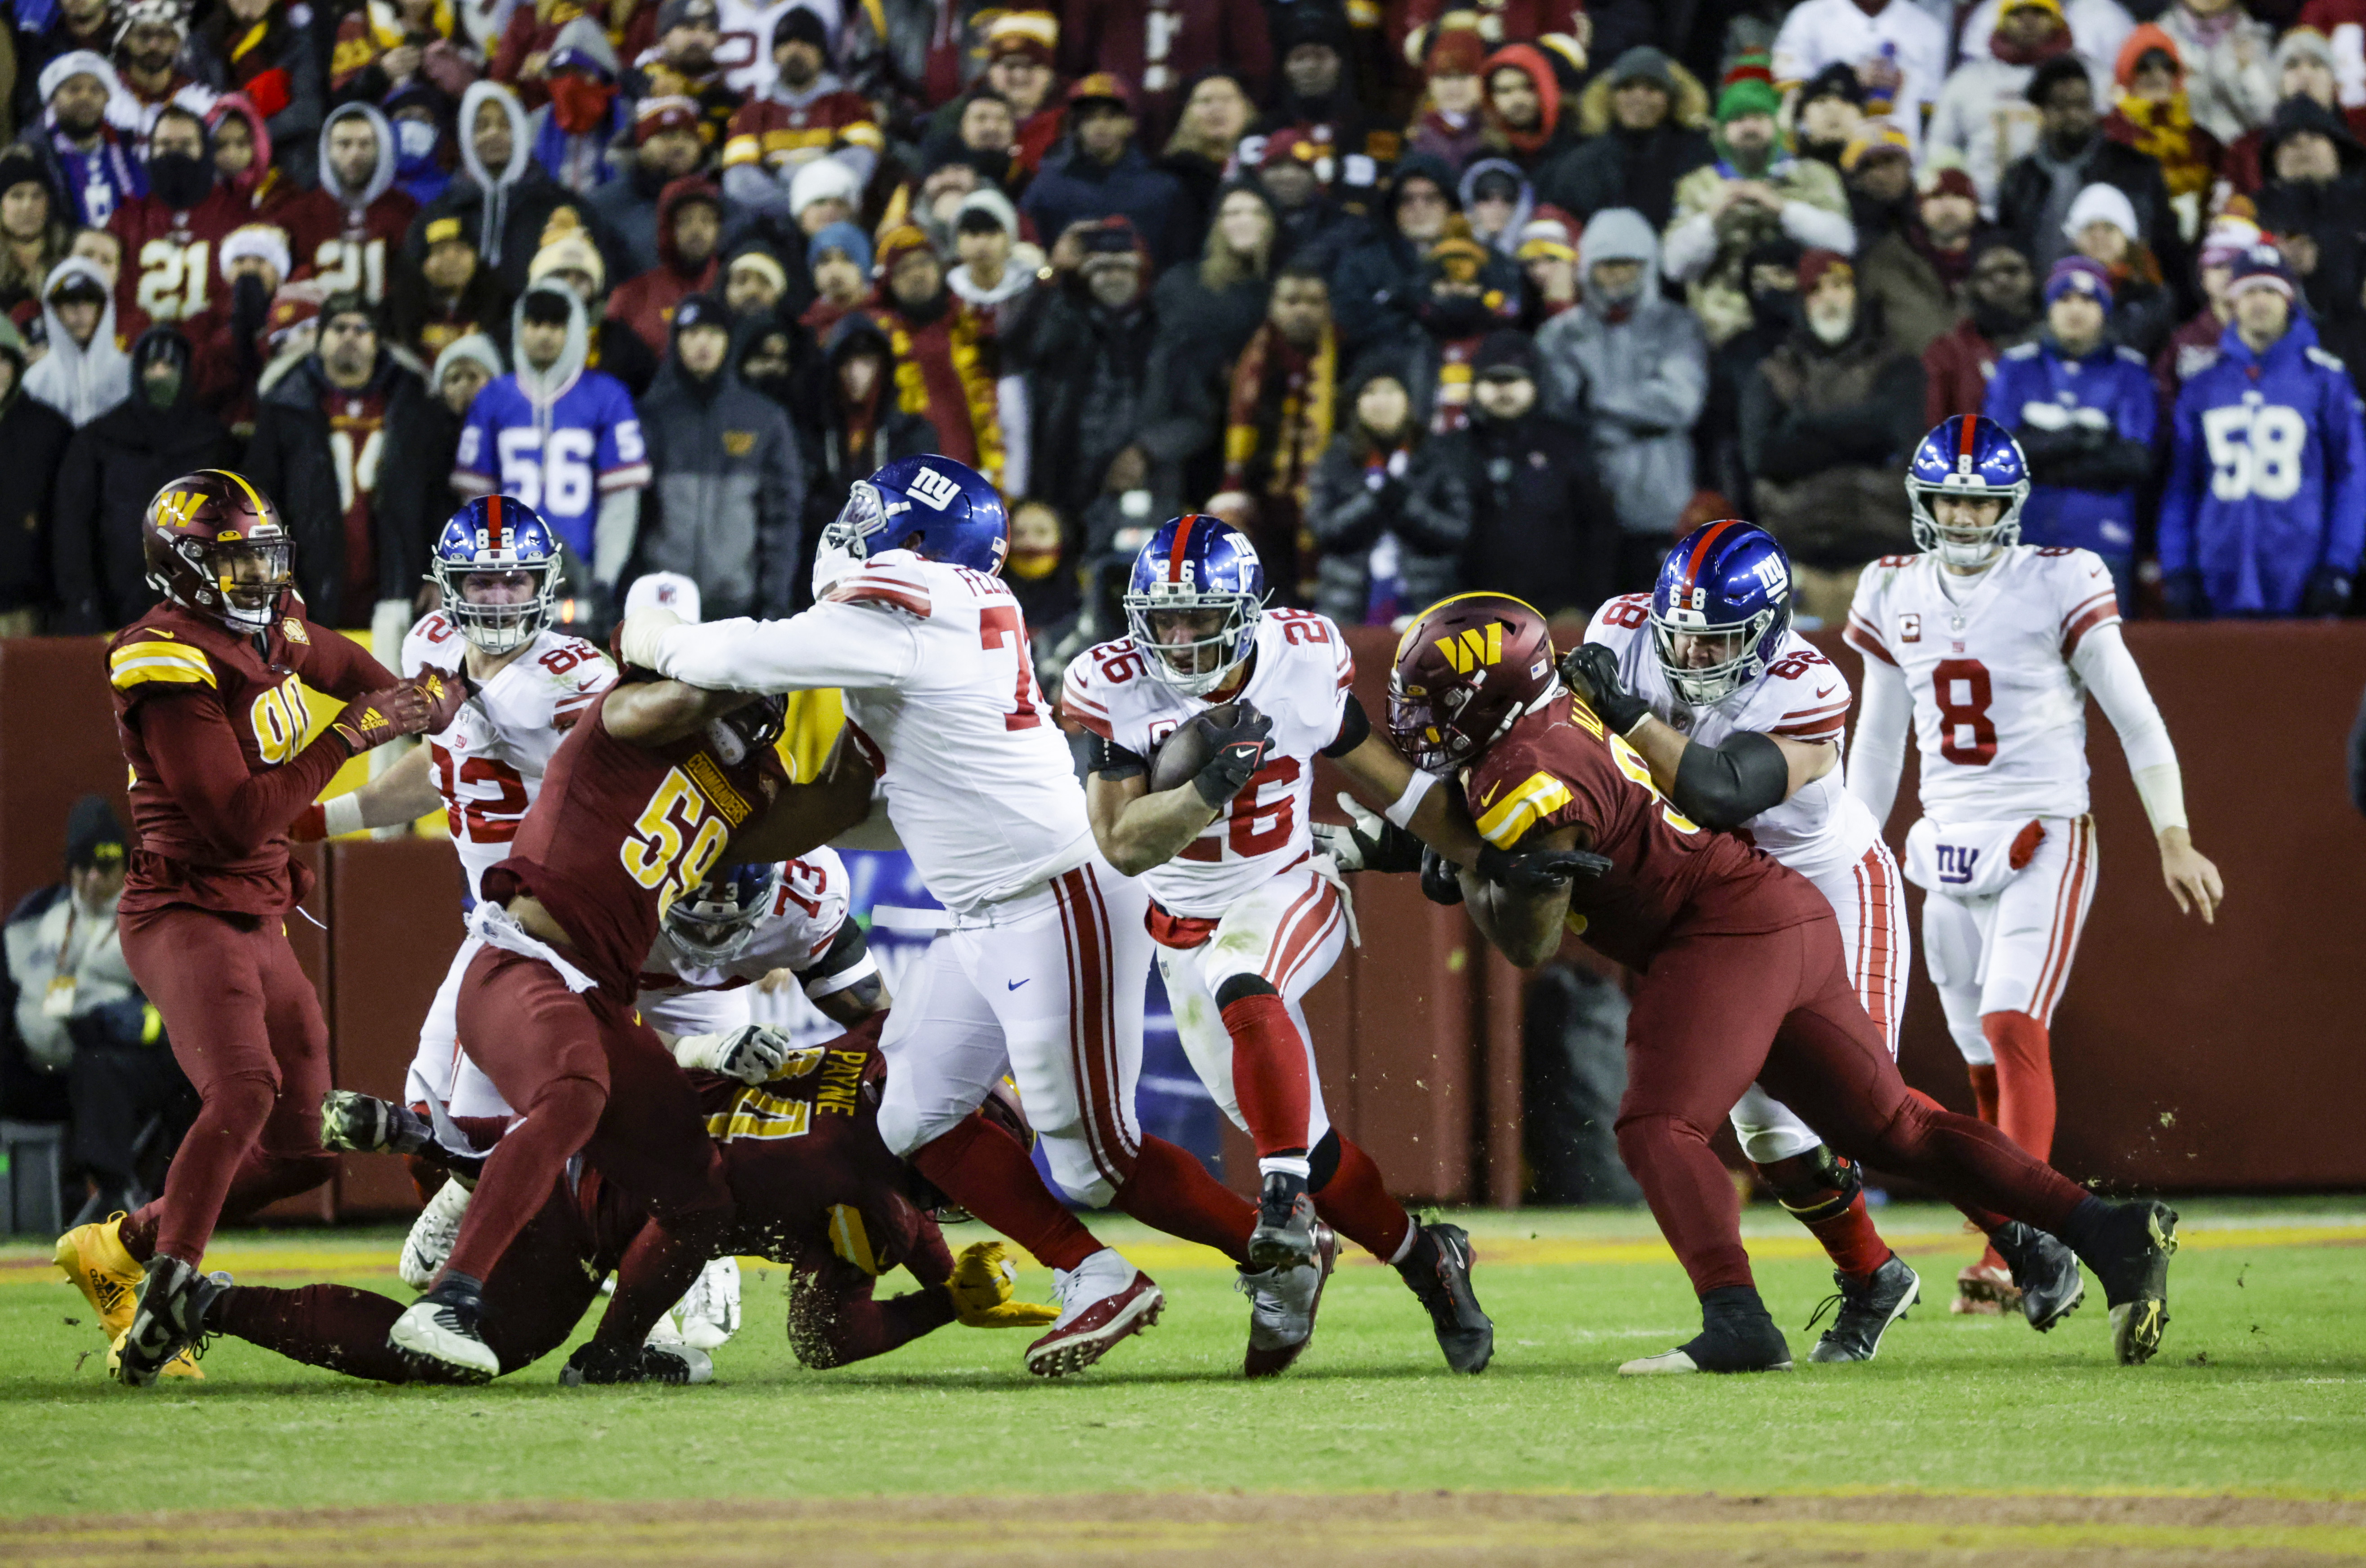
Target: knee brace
[[1235, 987], [1816, 1186]]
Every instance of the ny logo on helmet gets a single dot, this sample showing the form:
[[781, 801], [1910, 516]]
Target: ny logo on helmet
[[938, 491], [1768, 570], [1469, 649]]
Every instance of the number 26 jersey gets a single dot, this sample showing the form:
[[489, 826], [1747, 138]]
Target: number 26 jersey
[[1999, 717]]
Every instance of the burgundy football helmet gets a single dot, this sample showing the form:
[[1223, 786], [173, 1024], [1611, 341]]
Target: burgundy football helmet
[[1468, 668], [214, 546]]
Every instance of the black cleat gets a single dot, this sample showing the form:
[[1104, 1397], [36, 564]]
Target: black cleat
[[1284, 1237], [1737, 1335], [1868, 1305], [2045, 1270], [2129, 1256], [1438, 1271], [169, 1318], [672, 1364], [443, 1328]]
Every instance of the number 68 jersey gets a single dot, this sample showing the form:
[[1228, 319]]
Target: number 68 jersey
[[1300, 680], [490, 761], [1999, 717]]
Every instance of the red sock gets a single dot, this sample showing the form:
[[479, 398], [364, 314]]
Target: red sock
[[1356, 1204], [1269, 1073], [2025, 1069], [1849, 1237], [138, 1231], [985, 1171], [1171, 1191], [1834, 1216], [1984, 1091]]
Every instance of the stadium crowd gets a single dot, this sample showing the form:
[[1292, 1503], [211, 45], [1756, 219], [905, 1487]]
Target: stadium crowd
[[1425, 296]]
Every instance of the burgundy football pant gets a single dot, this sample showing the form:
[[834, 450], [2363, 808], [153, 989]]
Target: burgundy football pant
[[588, 1077], [1714, 1013], [245, 1025]]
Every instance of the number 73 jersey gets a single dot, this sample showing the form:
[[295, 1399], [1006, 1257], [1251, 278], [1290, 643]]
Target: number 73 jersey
[[1999, 717]]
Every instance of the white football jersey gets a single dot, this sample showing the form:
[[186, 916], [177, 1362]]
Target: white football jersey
[[1803, 696], [1999, 717], [1303, 671], [793, 935], [940, 699], [490, 759]]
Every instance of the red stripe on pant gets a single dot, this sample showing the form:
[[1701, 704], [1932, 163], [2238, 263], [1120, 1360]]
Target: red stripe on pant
[[1084, 937], [1105, 989], [2068, 918]]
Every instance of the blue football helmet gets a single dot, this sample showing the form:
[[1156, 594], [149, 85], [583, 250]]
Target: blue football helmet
[[1196, 563], [496, 534], [1968, 455], [714, 921], [1728, 584], [958, 515]]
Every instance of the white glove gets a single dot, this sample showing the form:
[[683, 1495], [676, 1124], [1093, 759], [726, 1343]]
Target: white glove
[[1371, 844], [638, 638], [751, 1053]]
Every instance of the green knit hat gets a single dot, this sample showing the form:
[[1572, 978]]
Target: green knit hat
[[1748, 89]]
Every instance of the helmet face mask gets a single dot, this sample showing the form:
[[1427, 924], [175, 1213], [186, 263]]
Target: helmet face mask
[[957, 515], [1974, 458], [1465, 671], [497, 546], [1721, 610], [1200, 576], [715, 921], [213, 545], [248, 574]]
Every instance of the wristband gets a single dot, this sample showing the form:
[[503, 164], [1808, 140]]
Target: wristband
[[341, 815], [861, 969], [2161, 788], [1401, 811]]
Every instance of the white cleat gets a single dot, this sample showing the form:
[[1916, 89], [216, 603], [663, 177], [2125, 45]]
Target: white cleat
[[710, 1312], [1102, 1300], [442, 1331], [1666, 1363], [432, 1236]]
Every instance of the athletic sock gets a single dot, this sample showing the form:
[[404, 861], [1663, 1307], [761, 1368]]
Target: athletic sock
[[1356, 1204], [2024, 1070], [1823, 1192], [334, 1327], [1984, 1090], [1269, 1074], [138, 1231], [1172, 1192], [984, 1169], [1849, 1237]]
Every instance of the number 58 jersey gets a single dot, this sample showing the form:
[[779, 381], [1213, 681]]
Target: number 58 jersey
[[1999, 717], [490, 761], [1300, 680]]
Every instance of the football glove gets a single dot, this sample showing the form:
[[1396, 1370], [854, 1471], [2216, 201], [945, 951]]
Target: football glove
[[981, 1286], [1369, 842], [1440, 882], [638, 635], [751, 1053], [1239, 752], [1592, 671], [445, 691], [1539, 871], [377, 717]]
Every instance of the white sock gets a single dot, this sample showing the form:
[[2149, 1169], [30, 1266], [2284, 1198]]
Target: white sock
[[1288, 1164]]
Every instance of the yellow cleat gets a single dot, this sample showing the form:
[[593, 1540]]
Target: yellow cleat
[[94, 1259], [182, 1365]]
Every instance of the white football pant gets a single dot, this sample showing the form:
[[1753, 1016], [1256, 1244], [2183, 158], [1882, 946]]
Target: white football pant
[[2011, 952]]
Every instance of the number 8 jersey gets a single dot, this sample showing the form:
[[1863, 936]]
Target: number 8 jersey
[[2000, 719]]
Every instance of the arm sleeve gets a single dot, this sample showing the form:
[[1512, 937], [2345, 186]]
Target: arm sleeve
[[198, 761], [343, 668], [1113, 762], [1721, 787], [2104, 662], [1354, 724], [830, 644], [1885, 712]]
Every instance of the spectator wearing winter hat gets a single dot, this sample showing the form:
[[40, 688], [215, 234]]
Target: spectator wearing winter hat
[[501, 194], [1878, 169], [33, 439], [152, 58], [522, 57], [1526, 119], [2001, 308], [256, 49], [2279, 530], [1377, 283], [1163, 50], [1388, 509], [2102, 228], [2229, 60], [2084, 409], [1644, 123], [823, 192], [1316, 92], [860, 423], [399, 48], [175, 226], [948, 361], [2195, 343], [450, 295], [755, 283], [1021, 48], [1294, 170], [2304, 69], [2098, 27], [2154, 116], [1106, 175], [1984, 118], [570, 259], [70, 27], [1752, 192], [690, 229], [1547, 252], [806, 113], [996, 271], [1915, 275], [92, 162], [2314, 193], [666, 148], [680, 63], [1450, 124], [1897, 48], [839, 261], [583, 137], [946, 179], [1827, 112], [1467, 290], [1541, 526], [2035, 194]]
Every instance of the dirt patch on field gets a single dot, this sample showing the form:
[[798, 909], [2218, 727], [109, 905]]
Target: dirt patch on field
[[1377, 1530]]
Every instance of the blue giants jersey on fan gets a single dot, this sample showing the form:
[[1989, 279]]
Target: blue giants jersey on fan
[[589, 446]]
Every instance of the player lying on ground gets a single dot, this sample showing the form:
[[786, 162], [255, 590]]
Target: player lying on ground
[[1744, 979], [1247, 917], [210, 706], [1988, 648], [812, 1187], [1740, 719]]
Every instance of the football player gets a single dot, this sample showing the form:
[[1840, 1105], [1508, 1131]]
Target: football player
[[1742, 978], [1988, 649], [210, 706], [1246, 917], [812, 1187], [1740, 719]]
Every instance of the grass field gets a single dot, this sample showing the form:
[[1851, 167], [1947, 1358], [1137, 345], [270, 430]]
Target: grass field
[[2007, 1439]]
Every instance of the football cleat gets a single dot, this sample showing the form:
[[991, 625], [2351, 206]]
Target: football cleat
[[1284, 1237], [1438, 1271], [1102, 1301], [1868, 1305], [432, 1236], [169, 1321], [445, 1327], [710, 1312], [1737, 1336], [2129, 1256], [93, 1257], [1282, 1304], [2045, 1270], [674, 1365], [1985, 1288]]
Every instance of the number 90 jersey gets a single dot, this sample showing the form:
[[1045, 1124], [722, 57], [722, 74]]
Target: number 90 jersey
[[1300, 681], [2000, 718], [1802, 697], [490, 762]]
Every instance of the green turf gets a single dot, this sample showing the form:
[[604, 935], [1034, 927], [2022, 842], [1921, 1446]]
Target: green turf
[[2261, 1387]]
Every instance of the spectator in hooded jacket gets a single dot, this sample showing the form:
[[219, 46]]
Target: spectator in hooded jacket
[[33, 439], [256, 49], [1377, 293], [1644, 123], [1317, 231], [1450, 124], [2001, 309], [2034, 197], [583, 137], [1315, 93], [1388, 509], [1540, 527], [840, 257], [347, 229], [2304, 69], [863, 425], [243, 157], [2083, 408], [1496, 200], [83, 374], [503, 198], [690, 229], [1633, 366], [666, 148], [1526, 120], [1105, 175], [2264, 512]]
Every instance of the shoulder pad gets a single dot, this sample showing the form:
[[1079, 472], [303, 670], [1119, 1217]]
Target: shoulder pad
[[2330, 362], [2130, 356], [148, 658], [2020, 351], [896, 586]]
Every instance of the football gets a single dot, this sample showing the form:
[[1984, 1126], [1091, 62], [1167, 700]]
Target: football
[[1181, 754]]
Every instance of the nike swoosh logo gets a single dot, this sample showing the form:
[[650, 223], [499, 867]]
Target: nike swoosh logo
[[1014, 985], [1827, 691], [1491, 791]]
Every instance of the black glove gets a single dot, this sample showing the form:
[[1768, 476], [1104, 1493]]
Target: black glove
[[1592, 671], [1239, 752], [2181, 595], [1539, 871], [1438, 882], [2328, 592]]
